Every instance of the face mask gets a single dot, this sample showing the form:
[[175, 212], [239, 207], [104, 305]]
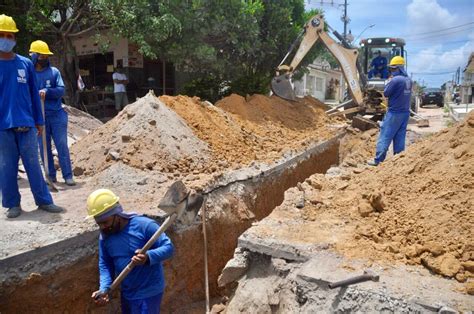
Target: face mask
[[6, 45], [34, 58], [114, 228], [44, 63]]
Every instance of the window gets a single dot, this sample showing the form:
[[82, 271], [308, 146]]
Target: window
[[310, 85], [319, 84]]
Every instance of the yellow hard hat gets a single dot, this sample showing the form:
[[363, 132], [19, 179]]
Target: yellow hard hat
[[7, 24], [40, 47], [397, 60], [100, 201]]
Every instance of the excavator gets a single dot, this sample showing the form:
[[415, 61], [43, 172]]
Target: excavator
[[365, 99]]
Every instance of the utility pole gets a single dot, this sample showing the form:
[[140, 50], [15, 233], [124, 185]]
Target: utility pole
[[345, 19]]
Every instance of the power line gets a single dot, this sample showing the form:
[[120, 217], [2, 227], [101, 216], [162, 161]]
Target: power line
[[440, 30], [438, 35], [327, 2]]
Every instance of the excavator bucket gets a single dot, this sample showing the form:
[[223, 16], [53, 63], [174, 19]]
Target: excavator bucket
[[281, 86]]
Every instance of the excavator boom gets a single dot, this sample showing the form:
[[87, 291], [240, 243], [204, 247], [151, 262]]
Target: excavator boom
[[346, 57]]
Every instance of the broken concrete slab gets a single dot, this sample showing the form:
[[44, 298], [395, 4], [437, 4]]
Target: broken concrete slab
[[234, 269]]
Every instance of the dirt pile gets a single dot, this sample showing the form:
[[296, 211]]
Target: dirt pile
[[416, 208], [275, 110], [280, 124], [240, 131], [191, 136], [80, 124], [357, 147], [145, 135]]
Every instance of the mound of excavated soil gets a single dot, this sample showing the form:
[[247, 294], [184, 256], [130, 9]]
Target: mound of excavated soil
[[415, 208], [188, 135], [262, 109], [145, 135], [80, 123], [240, 131]]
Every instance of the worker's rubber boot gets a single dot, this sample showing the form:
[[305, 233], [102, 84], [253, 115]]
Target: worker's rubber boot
[[14, 212], [70, 182], [51, 208], [372, 163]]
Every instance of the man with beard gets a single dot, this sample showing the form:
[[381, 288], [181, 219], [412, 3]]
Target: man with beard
[[122, 235]]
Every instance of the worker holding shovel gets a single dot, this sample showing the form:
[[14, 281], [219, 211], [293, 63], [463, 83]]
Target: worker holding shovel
[[122, 237], [51, 91], [20, 123]]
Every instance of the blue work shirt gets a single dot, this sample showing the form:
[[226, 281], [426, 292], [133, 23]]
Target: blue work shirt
[[116, 251], [20, 104], [379, 62], [51, 81], [398, 91]]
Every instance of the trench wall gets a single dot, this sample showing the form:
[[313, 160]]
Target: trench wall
[[61, 277]]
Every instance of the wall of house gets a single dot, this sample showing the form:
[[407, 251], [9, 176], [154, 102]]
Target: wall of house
[[312, 84], [87, 45]]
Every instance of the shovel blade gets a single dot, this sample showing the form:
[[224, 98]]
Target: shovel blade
[[281, 86], [174, 197]]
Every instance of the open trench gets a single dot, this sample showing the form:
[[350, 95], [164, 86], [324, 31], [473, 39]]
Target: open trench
[[60, 278]]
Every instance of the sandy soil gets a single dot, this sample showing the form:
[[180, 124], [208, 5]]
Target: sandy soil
[[416, 208]]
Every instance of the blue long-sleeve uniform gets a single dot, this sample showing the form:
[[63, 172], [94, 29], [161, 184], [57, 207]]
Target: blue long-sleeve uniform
[[398, 91], [116, 251], [51, 81], [379, 67], [19, 100], [20, 107], [395, 122], [379, 62]]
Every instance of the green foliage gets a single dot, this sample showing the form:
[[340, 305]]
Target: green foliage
[[206, 87], [226, 46]]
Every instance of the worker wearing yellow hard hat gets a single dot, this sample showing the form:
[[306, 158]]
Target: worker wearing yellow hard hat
[[7, 33], [20, 127], [394, 126], [51, 90], [122, 236]]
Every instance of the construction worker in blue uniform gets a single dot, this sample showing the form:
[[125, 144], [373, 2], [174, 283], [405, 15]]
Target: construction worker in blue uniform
[[394, 126], [379, 67], [51, 90], [121, 236], [21, 121]]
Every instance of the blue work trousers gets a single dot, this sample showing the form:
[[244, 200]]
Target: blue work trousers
[[14, 145], [394, 128], [56, 128], [149, 305]]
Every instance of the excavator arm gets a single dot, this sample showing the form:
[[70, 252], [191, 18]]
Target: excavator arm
[[346, 57]]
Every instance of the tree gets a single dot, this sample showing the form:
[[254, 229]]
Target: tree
[[234, 43], [60, 21]]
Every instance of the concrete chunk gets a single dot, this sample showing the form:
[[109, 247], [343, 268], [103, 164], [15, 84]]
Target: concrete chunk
[[234, 269]]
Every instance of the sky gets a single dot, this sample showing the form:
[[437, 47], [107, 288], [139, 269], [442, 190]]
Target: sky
[[439, 34]]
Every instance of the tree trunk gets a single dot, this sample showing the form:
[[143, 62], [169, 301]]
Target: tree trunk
[[69, 63]]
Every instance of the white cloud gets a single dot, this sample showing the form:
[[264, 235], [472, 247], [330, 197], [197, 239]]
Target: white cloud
[[437, 54], [439, 59], [428, 15]]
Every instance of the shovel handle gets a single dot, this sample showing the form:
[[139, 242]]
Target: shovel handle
[[143, 250]]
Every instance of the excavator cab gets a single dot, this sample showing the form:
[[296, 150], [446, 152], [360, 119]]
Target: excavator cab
[[375, 55]]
